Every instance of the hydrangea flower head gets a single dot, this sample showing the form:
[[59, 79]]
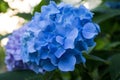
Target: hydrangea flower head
[[13, 57], [57, 36]]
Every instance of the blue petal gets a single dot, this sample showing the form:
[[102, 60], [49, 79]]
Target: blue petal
[[25, 55], [41, 39], [50, 9], [45, 37], [89, 31], [53, 59], [36, 16], [38, 44], [50, 28], [34, 57], [53, 7], [35, 67], [80, 58], [69, 41], [83, 13], [31, 47], [77, 23], [59, 52], [67, 63], [69, 44], [51, 56], [78, 55], [61, 5], [81, 45], [73, 34], [90, 42], [67, 9], [43, 24], [52, 47], [47, 65], [44, 55], [86, 14], [63, 30], [44, 52], [80, 37], [97, 27], [59, 39]]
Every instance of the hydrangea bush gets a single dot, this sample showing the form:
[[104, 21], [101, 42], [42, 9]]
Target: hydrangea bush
[[53, 39]]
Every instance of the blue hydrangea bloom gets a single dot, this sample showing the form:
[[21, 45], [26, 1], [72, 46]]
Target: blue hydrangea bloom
[[56, 37], [13, 57]]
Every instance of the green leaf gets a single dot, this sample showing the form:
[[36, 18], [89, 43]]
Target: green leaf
[[112, 45], [66, 76], [26, 16], [57, 1], [107, 15], [20, 75], [92, 57], [38, 7], [3, 6], [102, 41], [115, 67], [102, 13], [4, 36], [81, 73], [2, 56]]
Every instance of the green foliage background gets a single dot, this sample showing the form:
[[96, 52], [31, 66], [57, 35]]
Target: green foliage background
[[103, 62]]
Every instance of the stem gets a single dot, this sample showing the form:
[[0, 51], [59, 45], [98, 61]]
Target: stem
[[50, 77], [92, 57]]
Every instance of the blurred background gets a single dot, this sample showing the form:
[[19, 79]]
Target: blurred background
[[104, 64]]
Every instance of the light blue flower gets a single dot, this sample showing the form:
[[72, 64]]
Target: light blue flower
[[56, 37], [13, 57]]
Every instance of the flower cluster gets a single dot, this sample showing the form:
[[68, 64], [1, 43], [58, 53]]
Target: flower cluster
[[56, 37], [13, 57]]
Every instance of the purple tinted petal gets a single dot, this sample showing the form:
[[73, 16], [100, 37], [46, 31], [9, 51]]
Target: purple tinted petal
[[17, 56], [31, 47]]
